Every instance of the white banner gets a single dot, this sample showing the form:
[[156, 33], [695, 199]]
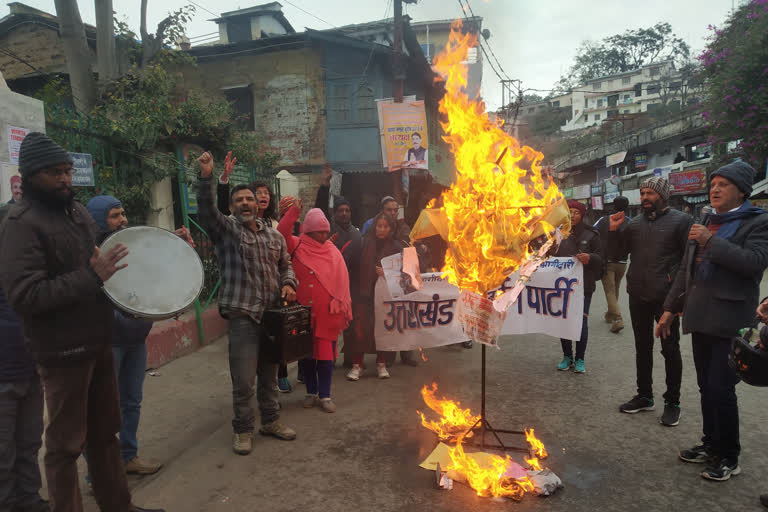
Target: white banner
[[552, 303]]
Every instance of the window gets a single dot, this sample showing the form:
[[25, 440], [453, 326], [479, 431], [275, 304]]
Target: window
[[653, 89], [638, 90], [556, 104], [239, 29], [626, 97], [597, 117], [675, 86], [585, 103], [532, 110], [338, 103], [613, 113], [472, 55], [626, 80], [653, 107], [599, 103], [365, 105], [626, 111], [656, 71], [241, 99], [597, 86]]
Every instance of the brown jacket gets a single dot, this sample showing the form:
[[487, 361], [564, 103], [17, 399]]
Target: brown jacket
[[46, 274]]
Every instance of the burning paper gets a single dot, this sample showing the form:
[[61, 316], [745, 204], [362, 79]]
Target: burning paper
[[454, 421], [479, 319]]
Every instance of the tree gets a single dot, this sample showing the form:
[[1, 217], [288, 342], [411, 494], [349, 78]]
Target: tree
[[105, 40], [624, 52], [735, 63], [72, 33]]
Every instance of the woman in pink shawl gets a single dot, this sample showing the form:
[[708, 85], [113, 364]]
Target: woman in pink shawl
[[324, 285]]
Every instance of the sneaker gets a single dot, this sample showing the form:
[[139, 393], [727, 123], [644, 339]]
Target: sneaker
[[354, 373], [637, 404], [671, 416], [327, 405], [278, 430], [578, 366], [697, 455], [565, 364], [721, 470], [381, 369], [310, 401], [617, 326], [242, 443], [137, 466], [467, 344], [284, 385]]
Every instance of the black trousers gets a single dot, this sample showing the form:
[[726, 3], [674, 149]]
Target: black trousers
[[644, 315], [717, 386]]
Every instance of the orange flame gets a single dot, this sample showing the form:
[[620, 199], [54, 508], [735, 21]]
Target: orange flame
[[489, 481], [500, 198], [423, 355], [454, 421], [537, 447]]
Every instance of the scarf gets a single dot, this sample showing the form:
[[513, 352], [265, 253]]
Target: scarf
[[729, 223], [326, 262]]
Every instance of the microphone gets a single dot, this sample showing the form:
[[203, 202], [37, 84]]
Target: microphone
[[706, 211]]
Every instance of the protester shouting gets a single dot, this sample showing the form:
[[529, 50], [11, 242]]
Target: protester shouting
[[256, 274], [323, 285], [717, 290], [584, 244], [656, 241], [265, 199], [53, 275], [379, 242]]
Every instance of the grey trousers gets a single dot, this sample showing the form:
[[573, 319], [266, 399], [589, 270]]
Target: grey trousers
[[21, 436], [245, 367]]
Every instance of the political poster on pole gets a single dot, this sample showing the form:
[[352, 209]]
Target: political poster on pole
[[405, 135]]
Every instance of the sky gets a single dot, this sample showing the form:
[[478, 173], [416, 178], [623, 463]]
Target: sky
[[534, 41]]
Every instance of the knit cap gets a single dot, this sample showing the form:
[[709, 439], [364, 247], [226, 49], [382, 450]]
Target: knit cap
[[99, 207], [659, 184], [572, 203], [315, 221], [38, 152], [740, 173]]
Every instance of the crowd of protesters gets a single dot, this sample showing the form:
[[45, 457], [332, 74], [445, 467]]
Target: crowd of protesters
[[65, 344]]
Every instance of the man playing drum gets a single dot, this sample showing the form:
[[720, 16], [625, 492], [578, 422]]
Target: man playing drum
[[256, 272], [53, 274]]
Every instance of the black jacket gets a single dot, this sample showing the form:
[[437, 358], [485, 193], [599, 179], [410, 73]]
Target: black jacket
[[586, 239], [46, 274], [726, 302], [656, 250]]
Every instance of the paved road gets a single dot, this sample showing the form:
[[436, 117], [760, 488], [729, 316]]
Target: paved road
[[366, 456]]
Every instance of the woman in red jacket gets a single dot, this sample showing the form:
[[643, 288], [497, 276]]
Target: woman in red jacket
[[323, 285]]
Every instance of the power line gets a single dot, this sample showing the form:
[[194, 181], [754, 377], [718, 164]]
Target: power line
[[203, 8], [307, 12]]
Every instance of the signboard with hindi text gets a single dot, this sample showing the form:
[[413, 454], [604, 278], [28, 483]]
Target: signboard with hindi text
[[552, 303], [692, 181], [15, 136]]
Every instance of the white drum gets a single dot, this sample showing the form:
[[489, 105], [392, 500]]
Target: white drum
[[164, 275]]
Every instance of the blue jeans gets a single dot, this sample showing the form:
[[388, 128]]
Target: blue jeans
[[317, 376], [581, 345], [130, 365]]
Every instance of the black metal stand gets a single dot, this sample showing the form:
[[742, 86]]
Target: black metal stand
[[482, 425]]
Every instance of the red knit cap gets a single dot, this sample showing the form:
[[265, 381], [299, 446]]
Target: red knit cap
[[572, 203]]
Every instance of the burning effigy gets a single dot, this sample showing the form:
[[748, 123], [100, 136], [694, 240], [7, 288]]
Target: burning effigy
[[502, 214]]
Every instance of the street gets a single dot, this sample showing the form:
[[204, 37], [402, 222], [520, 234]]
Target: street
[[366, 456]]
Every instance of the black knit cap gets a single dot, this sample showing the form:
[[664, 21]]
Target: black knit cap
[[37, 152], [740, 173]]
